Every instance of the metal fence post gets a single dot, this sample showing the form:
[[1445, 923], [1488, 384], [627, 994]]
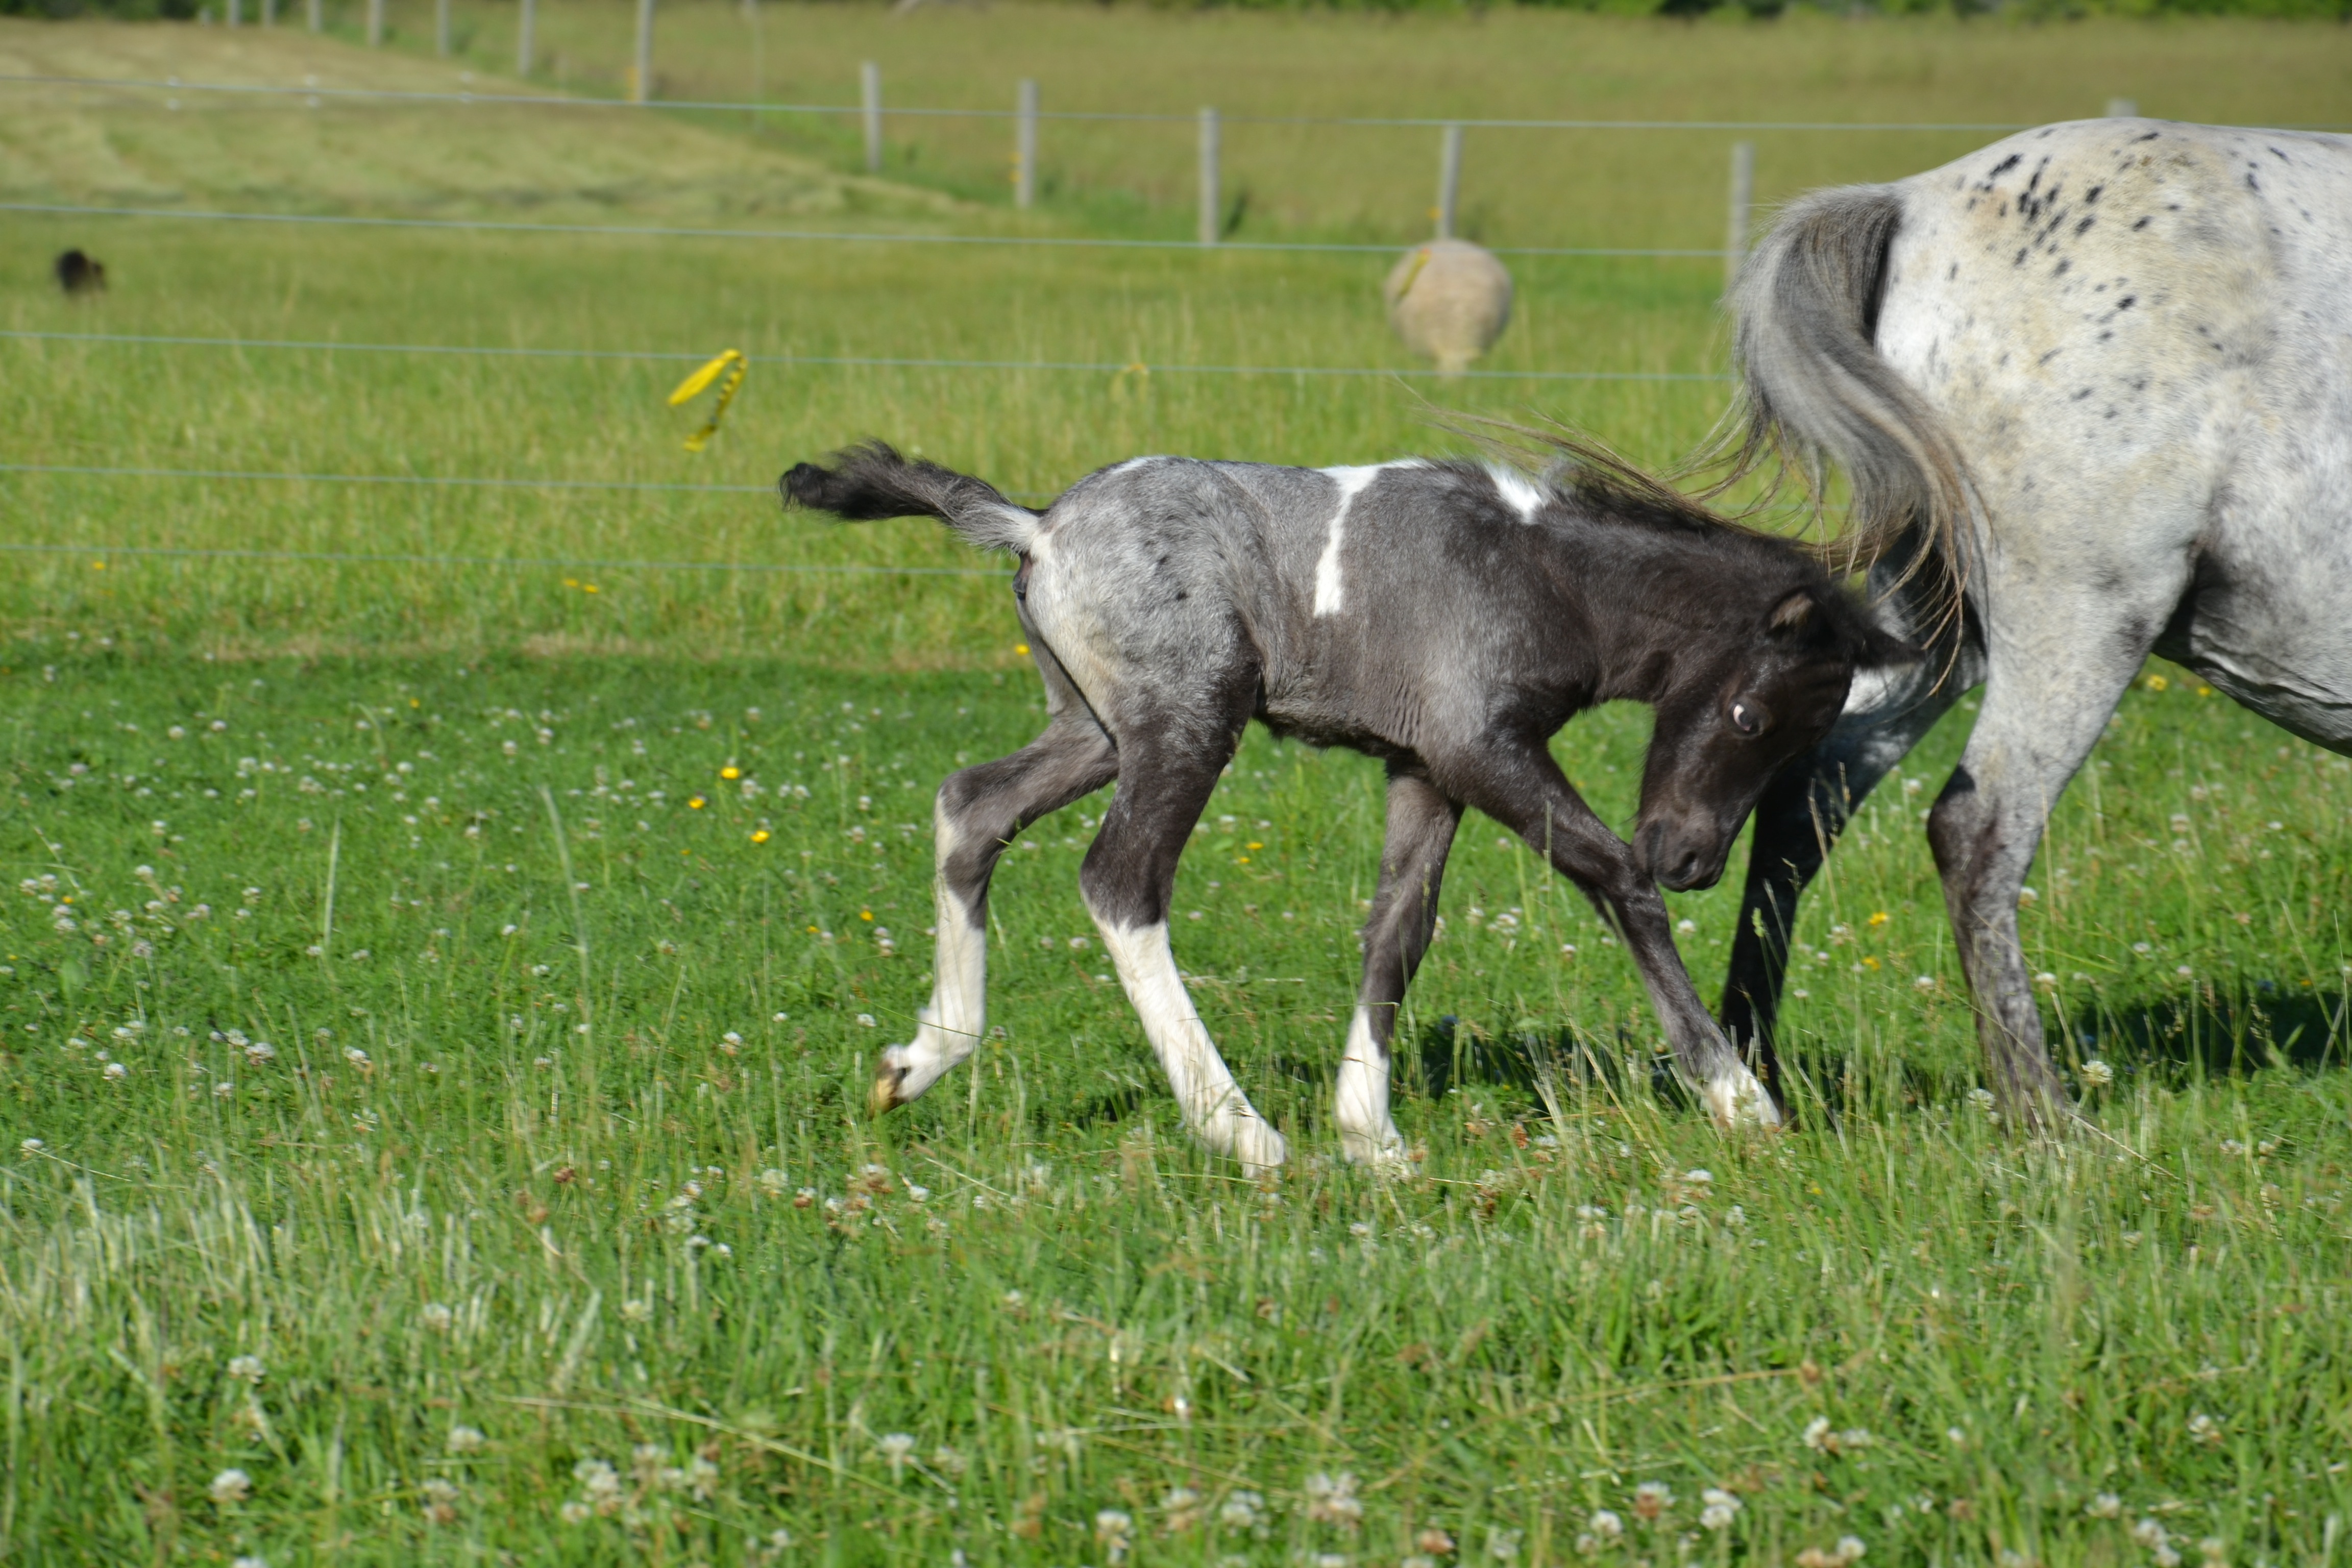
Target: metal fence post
[[526, 43], [441, 28], [2122, 109], [315, 14], [869, 93], [1024, 145], [1743, 196], [235, 14], [1449, 181], [375, 24], [641, 90], [269, 13], [1210, 212]]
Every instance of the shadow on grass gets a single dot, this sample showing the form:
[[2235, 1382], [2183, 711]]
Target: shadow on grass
[[2216, 1030]]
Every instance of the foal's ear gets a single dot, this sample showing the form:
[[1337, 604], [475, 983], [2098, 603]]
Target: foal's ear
[[1795, 613]]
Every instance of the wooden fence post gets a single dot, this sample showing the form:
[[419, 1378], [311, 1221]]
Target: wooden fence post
[[1024, 145], [1212, 215], [869, 93], [1449, 180], [641, 90], [1743, 196]]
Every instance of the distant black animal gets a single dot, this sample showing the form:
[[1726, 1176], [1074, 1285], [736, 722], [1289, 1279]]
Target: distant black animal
[[80, 274], [1445, 616]]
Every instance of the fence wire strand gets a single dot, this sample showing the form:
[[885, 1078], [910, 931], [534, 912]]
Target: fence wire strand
[[886, 362]]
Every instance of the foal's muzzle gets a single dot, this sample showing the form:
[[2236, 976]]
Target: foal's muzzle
[[1683, 861]]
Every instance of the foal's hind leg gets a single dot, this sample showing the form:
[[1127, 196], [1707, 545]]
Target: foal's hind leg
[[1168, 767], [1421, 826], [977, 812]]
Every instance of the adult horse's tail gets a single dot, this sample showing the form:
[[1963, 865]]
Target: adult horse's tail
[[1814, 386]]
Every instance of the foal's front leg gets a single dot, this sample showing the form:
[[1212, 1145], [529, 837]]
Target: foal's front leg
[[1524, 789], [1421, 826]]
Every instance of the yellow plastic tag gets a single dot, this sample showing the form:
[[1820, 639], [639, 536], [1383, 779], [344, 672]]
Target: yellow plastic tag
[[731, 365]]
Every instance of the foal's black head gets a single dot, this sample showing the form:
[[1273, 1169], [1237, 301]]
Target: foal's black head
[[1739, 712]]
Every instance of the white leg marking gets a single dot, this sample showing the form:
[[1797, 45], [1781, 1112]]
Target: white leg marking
[[1362, 1108], [1215, 1109], [1328, 598], [1519, 493], [947, 1030], [1736, 1098]]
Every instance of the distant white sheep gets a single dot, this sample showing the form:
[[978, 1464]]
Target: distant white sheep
[[1449, 300]]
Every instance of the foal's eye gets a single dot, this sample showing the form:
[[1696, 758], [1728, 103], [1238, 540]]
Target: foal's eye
[[1748, 718]]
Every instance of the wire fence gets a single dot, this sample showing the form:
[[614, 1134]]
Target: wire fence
[[519, 562], [661, 231], [758, 106], [884, 361]]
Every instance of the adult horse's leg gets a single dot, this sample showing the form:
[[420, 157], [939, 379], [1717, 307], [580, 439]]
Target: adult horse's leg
[[1518, 784], [1404, 913], [2066, 649], [1803, 811], [975, 816], [1169, 762]]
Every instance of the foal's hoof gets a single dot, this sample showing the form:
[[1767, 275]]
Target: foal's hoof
[[883, 1094]]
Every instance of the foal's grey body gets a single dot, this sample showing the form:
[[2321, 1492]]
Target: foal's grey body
[[1442, 617], [2130, 344]]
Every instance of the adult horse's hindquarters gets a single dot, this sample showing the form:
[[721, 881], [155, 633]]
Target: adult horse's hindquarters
[[2091, 388], [1444, 616]]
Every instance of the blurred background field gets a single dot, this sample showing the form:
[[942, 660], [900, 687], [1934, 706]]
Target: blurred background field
[[552, 1212]]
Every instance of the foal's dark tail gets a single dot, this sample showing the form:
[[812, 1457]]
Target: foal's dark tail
[[1813, 386], [871, 481]]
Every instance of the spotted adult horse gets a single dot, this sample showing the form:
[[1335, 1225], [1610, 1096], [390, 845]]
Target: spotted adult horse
[[1447, 618], [2092, 387]]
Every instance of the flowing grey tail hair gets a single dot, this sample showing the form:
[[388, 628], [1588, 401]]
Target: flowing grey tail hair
[[1813, 386], [871, 481]]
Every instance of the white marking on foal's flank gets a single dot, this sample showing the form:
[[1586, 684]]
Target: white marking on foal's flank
[[1215, 1109], [1360, 1098], [1519, 493], [947, 1030], [1352, 483]]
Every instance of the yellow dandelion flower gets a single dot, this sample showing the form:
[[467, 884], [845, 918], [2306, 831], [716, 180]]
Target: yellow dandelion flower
[[866, 914], [695, 802], [571, 581], [2157, 683], [760, 835], [1880, 917], [1870, 963], [1021, 647], [589, 588], [731, 772]]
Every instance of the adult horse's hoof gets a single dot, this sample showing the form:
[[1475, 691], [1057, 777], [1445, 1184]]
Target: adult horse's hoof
[[1739, 1099]]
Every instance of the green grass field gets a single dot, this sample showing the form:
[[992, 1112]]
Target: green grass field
[[438, 999]]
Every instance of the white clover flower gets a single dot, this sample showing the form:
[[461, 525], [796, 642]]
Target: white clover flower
[[467, 1440], [1605, 1524], [1818, 1436], [1850, 1548], [2096, 1074], [866, 1020], [636, 1310], [2148, 1532], [254, 1560], [438, 1491], [438, 1317], [1503, 1545], [1716, 1516], [597, 1479], [2105, 1505], [2203, 1428], [1241, 1510], [230, 1486], [1981, 1098], [117, 1071], [32, 1145], [247, 1367]]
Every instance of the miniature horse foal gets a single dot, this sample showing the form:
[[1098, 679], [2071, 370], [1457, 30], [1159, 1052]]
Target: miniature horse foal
[[1447, 618]]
